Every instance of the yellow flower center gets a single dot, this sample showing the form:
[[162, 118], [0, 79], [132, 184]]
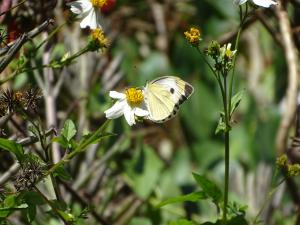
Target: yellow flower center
[[193, 35], [134, 96], [99, 37], [228, 53], [98, 3]]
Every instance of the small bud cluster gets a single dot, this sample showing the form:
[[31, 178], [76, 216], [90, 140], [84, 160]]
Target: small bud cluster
[[292, 170], [12, 101], [223, 56]]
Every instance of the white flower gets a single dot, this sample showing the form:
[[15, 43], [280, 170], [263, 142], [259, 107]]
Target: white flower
[[130, 104], [88, 11], [227, 52], [262, 3]]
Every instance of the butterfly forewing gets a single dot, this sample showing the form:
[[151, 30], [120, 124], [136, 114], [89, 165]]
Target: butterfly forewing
[[160, 102], [164, 95]]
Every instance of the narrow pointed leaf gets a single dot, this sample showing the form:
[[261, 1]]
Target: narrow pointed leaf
[[235, 101], [192, 197], [209, 188]]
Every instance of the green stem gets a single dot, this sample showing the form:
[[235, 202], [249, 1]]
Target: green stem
[[233, 69], [50, 36], [24, 70], [217, 76], [236, 46], [207, 63], [226, 184], [227, 150]]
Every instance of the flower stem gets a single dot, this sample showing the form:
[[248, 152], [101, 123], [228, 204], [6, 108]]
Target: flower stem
[[226, 184], [226, 134]]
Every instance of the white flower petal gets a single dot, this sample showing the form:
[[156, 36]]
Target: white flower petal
[[116, 110], [98, 18], [141, 112], [264, 3], [117, 95], [239, 2], [80, 6], [89, 20], [129, 115]]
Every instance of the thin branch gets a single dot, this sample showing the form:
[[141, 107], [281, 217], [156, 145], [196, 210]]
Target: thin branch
[[292, 89], [28, 35], [12, 52]]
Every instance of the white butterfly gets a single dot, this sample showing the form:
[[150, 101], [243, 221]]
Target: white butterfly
[[164, 95]]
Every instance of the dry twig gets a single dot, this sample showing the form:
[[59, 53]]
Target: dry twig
[[292, 89]]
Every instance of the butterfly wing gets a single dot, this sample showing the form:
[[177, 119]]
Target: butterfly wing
[[164, 95]]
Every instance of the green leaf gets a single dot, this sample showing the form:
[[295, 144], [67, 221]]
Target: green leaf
[[73, 144], [10, 201], [209, 188], [235, 101], [62, 173], [58, 205], [61, 140], [5, 213], [31, 213], [238, 220], [69, 130], [182, 222], [93, 138], [10, 205], [33, 198], [192, 197], [221, 125], [236, 209], [12, 147]]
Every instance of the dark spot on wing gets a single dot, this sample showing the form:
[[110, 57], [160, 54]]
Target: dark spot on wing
[[188, 89], [172, 90], [177, 106], [182, 99], [170, 116]]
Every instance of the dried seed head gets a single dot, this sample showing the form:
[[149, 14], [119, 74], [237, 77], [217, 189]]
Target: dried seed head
[[27, 176], [31, 98]]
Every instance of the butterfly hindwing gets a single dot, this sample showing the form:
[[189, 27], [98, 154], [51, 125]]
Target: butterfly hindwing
[[164, 95]]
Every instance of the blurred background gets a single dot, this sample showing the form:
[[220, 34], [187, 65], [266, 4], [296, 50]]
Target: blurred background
[[125, 176]]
